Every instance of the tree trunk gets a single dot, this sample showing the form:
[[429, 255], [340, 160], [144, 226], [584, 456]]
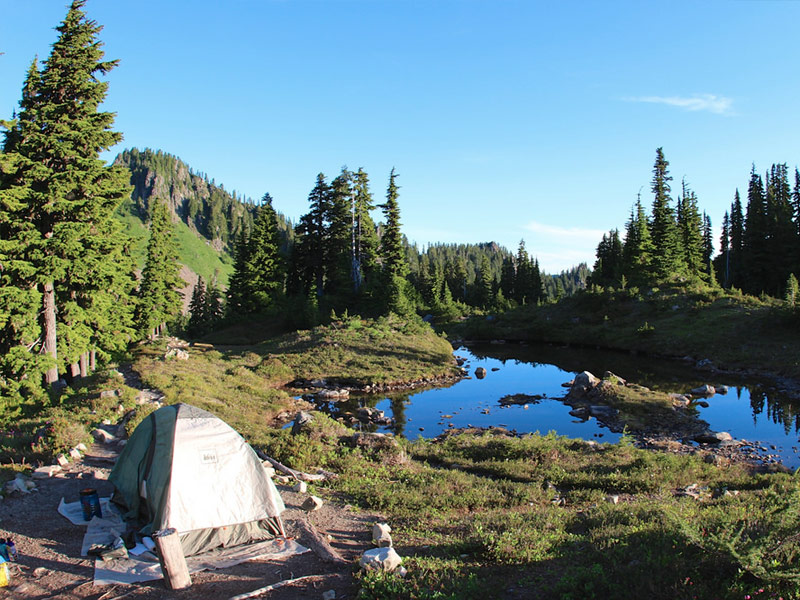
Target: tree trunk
[[92, 360], [74, 371], [49, 331], [84, 364]]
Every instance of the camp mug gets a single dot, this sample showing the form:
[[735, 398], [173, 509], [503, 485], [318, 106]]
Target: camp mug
[[90, 504]]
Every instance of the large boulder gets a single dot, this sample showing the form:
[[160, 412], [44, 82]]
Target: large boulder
[[704, 390], [380, 559], [583, 383], [713, 437]]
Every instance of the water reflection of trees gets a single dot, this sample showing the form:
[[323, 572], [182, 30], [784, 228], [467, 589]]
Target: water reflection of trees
[[780, 411]]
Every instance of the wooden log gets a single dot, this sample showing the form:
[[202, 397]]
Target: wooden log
[[269, 588], [173, 563], [320, 545], [299, 475]]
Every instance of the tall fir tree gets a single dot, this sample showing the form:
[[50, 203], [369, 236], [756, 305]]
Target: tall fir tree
[[339, 251], [663, 227], [76, 248], [392, 252], [690, 232], [308, 260], [159, 292], [781, 230], [735, 261], [638, 248], [754, 238], [365, 236]]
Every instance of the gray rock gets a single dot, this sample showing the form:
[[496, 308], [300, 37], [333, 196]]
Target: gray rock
[[333, 394], [381, 535], [704, 390], [45, 472], [713, 437], [301, 421], [480, 372], [311, 504], [101, 435], [380, 559], [582, 383]]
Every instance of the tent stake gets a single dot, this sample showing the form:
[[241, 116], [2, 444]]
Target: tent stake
[[271, 587]]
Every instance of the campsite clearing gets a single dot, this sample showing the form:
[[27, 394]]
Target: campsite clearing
[[50, 565]]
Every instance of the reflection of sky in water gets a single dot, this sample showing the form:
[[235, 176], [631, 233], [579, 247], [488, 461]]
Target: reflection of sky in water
[[467, 400]]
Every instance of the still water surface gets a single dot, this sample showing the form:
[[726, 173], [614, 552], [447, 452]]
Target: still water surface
[[751, 410]]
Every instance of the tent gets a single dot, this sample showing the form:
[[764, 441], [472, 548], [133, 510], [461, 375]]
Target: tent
[[186, 469]]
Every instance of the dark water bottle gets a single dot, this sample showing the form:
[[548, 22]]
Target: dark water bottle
[[90, 504]]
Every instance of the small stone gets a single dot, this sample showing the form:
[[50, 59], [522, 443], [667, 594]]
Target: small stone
[[301, 487], [45, 472], [329, 595], [75, 454], [81, 447], [100, 474], [63, 461], [39, 572], [311, 504], [613, 499], [381, 535], [269, 470], [101, 435], [402, 571]]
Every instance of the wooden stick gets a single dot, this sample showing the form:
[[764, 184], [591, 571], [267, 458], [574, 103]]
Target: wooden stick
[[173, 563], [320, 545], [291, 472], [271, 587]]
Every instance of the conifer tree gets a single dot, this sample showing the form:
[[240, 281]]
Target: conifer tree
[[310, 242], [781, 230], [608, 268], [735, 262], [365, 236], [70, 196], [197, 308], [708, 249], [237, 284], [485, 292], [638, 249], [690, 232], [663, 227], [392, 253], [264, 269], [339, 251], [723, 260], [754, 238], [159, 296]]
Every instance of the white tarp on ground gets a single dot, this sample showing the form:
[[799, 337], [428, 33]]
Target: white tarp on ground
[[145, 566]]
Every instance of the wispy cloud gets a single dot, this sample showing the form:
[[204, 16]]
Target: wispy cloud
[[719, 105], [572, 233], [559, 248]]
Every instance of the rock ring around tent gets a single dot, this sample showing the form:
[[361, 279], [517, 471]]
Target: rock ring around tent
[[186, 469]]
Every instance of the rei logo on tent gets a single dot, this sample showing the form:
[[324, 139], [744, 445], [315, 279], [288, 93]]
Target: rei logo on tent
[[208, 457]]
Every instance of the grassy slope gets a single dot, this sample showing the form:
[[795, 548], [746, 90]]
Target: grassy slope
[[732, 330], [193, 251]]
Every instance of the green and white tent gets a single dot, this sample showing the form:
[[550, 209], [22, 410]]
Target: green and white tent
[[184, 468]]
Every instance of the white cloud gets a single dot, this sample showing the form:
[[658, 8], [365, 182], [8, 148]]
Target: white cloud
[[574, 233], [719, 105], [559, 248]]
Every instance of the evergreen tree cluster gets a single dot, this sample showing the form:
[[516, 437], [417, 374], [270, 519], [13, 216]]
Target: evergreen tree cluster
[[674, 240], [68, 291], [67, 279], [760, 243]]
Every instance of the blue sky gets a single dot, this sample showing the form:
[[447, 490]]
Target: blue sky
[[505, 120]]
